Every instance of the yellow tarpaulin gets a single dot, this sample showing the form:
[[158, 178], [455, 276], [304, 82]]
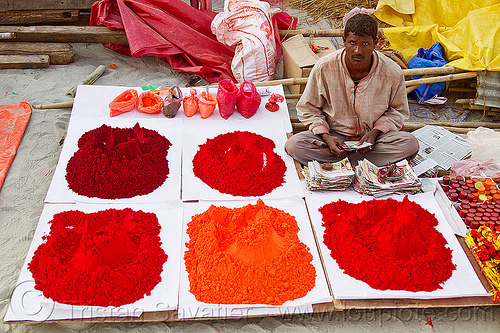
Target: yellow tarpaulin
[[468, 30]]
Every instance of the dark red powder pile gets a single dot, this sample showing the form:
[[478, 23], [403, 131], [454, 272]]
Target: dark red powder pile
[[113, 163], [388, 244], [239, 163], [111, 257]]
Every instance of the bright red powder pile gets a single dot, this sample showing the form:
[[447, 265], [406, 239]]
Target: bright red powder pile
[[113, 163], [247, 255], [111, 257], [388, 244], [239, 163]]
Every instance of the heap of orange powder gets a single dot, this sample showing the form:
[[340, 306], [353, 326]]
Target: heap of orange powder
[[247, 255]]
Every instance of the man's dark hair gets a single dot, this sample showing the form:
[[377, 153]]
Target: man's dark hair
[[361, 25]]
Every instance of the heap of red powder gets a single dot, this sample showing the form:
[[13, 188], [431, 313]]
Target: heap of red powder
[[113, 163], [247, 255], [239, 163], [388, 244], [111, 257]]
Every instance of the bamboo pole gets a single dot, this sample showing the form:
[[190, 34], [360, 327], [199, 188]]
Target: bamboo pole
[[61, 105], [465, 101], [324, 32], [432, 71], [316, 33], [468, 124], [418, 82], [460, 130], [462, 90], [458, 125], [479, 108], [293, 96], [451, 77], [90, 79], [285, 82], [410, 89], [411, 126]]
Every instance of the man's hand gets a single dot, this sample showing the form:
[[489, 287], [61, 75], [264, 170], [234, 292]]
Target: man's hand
[[335, 144], [368, 137]]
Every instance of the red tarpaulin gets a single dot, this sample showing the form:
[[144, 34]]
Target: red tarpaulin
[[173, 31]]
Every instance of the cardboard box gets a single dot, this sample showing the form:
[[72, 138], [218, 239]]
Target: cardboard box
[[298, 58]]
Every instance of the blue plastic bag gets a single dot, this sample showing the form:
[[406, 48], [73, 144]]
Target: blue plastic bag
[[432, 57]]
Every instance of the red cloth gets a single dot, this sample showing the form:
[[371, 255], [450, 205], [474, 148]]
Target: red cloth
[[175, 32], [171, 30]]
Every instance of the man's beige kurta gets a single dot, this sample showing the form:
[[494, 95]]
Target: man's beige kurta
[[331, 99]]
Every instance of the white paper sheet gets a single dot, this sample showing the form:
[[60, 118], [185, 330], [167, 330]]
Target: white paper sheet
[[59, 192], [93, 101], [463, 282], [189, 307], [28, 304], [197, 133]]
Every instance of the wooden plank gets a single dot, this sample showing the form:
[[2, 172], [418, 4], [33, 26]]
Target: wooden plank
[[45, 4], [24, 61], [65, 34], [59, 54], [43, 16]]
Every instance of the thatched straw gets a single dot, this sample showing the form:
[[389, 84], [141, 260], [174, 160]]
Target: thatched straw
[[318, 10]]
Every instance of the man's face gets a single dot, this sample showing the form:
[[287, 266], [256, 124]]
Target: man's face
[[359, 51]]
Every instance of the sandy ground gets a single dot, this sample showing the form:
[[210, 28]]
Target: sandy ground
[[28, 179]]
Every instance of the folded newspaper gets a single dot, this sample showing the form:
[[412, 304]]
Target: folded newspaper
[[328, 176], [370, 180]]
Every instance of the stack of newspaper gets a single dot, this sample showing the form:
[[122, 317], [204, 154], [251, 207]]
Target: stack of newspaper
[[369, 180], [328, 176]]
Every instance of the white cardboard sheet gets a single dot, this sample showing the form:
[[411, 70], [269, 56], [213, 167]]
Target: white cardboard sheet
[[463, 282], [59, 192], [189, 307], [197, 133], [29, 304], [454, 220], [93, 101]]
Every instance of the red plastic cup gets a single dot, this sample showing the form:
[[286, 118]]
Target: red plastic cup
[[464, 206], [468, 221]]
